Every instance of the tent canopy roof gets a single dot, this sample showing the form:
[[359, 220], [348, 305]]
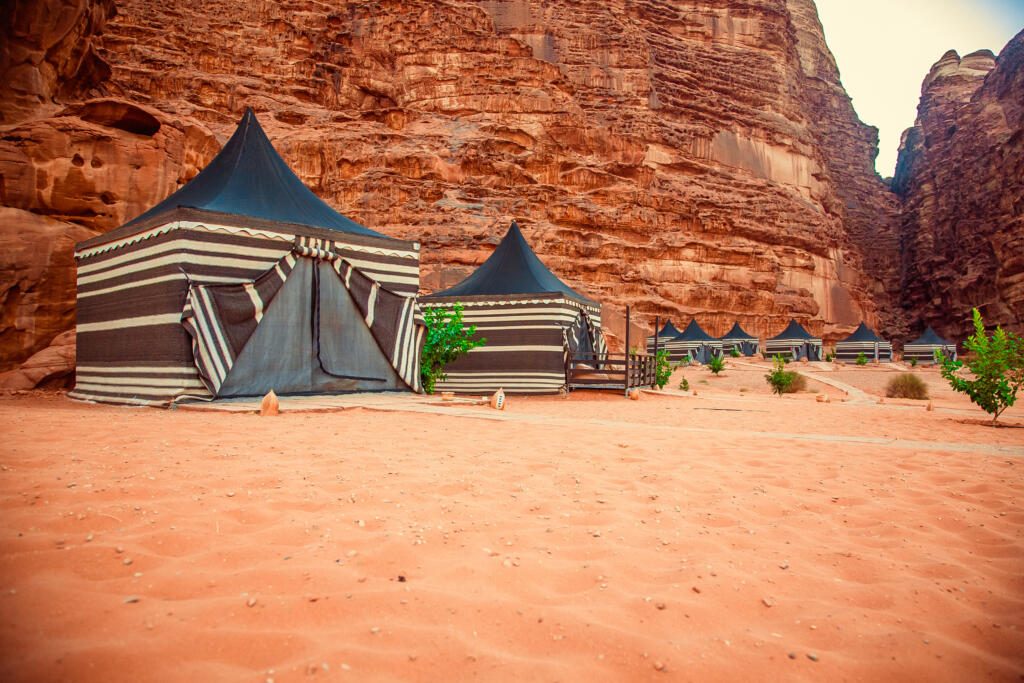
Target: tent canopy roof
[[794, 330], [737, 332], [931, 337], [863, 333], [513, 268], [249, 178], [694, 332], [668, 330]]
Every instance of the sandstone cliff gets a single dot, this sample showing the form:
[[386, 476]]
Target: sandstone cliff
[[960, 175], [688, 158]]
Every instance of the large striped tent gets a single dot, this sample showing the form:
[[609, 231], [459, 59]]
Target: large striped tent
[[532, 322], [240, 282], [794, 342], [737, 338], [664, 335], [863, 340], [924, 347], [693, 343]]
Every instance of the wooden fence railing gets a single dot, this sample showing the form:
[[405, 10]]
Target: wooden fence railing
[[610, 371]]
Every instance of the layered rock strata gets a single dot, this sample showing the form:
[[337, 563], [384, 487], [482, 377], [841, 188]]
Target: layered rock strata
[[960, 176]]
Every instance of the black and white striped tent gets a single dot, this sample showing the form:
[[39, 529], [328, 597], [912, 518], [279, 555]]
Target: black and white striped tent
[[924, 347], [737, 338], [240, 282], [863, 340], [795, 343], [666, 333], [693, 343], [531, 319]]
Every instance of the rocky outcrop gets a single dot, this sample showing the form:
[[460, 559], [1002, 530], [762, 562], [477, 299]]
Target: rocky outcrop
[[960, 176], [48, 51], [695, 158], [51, 368]]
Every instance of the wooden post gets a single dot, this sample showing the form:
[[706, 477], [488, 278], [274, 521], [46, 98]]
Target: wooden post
[[654, 360], [627, 351]]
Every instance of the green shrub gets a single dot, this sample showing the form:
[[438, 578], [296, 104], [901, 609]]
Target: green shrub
[[830, 356], [913, 362], [799, 383], [662, 368], [716, 364], [683, 384], [861, 359], [734, 352], [447, 339], [779, 378], [906, 385], [997, 363]]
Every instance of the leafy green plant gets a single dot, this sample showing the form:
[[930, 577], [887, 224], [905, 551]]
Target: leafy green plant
[[906, 385], [830, 356], [997, 364], [913, 362], [783, 381], [662, 368], [716, 364], [861, 359], [734, 352], [684, 385], [447, 339]]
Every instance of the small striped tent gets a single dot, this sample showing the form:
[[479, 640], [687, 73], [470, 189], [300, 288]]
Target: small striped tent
[[532, 321], [667, 333], [240, 282], [795, 343], [924, 347], [693, 343], [737, 338], [863, 340]]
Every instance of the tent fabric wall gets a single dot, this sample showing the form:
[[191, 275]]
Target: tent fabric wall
[[667, 332], [924, 347], [737, 338], [132, 347], [693, 344], [528, 339], [795, 342]]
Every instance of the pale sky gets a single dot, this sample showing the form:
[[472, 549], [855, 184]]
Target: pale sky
[[884, 49]]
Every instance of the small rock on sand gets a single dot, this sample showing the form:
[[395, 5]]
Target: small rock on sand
[[131, 599], [251, 602], [811, 656]]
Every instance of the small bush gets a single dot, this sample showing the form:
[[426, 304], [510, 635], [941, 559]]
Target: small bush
[[662, 368], [734, 353], [862, 359], [913, 362], [683, 384], [906, 385], [447, 339], [716, 364], [783, 381], [830, 356]]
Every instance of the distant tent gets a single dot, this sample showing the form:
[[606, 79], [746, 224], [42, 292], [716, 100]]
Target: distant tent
[[532, 321], [694, 343], [795, 343], [737, 338], [667, 333], [240, 282], [863, 340], [924, 347]]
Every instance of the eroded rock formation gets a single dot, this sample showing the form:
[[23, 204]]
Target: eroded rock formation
[[688, 158], [960, 175]]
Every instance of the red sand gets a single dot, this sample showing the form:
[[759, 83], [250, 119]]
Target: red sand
[[594, 538]]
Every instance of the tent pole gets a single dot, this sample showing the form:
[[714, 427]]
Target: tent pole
[[627, 351]]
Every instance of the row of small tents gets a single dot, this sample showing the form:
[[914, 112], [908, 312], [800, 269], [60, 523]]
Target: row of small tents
[[794, 343]]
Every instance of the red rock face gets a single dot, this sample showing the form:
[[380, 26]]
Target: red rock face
[[687, 158], [960, 175]]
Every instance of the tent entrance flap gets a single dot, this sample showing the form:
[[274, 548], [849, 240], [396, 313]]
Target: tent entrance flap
[[282, 354]]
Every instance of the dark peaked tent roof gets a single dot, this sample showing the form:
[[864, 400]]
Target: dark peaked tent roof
[[249, 178], [737, 332], [931, 337], [694, 332], [794, 330], [669, 330], [513, 268], [863, 333]]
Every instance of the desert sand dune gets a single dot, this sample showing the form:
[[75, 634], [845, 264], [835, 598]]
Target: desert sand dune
[[717, 537]]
